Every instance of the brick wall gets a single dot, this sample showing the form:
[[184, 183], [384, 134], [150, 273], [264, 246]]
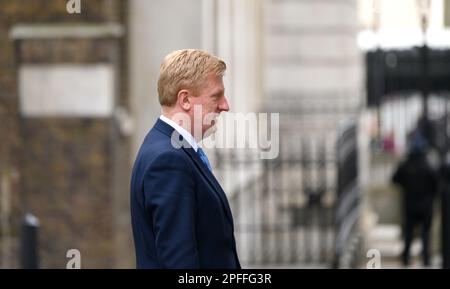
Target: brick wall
[[72, 172]]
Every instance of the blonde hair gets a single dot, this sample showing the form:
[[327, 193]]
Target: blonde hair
[[186, 69]]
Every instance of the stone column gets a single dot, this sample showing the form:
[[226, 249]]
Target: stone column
[[156, 28]]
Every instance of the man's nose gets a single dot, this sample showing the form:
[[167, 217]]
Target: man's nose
[[223, 106]]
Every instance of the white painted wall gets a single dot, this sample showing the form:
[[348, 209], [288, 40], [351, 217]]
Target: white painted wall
[[311, 54], [156, 28]]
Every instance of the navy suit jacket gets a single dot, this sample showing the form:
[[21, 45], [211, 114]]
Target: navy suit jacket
[[180, 214]]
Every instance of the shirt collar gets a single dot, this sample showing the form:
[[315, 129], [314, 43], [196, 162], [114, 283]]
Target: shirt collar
[[186, 135]]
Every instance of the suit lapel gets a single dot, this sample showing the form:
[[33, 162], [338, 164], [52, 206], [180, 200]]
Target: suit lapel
[[212, 181], [181, 142]]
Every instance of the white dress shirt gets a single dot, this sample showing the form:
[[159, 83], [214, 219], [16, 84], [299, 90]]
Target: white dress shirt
[[186, 135]]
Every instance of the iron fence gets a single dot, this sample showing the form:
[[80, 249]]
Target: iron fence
[[298, 209]]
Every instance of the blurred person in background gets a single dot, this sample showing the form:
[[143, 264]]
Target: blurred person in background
[[389, 143], [180, 214], [419, 184]]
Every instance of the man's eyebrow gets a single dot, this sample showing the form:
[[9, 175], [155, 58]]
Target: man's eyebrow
[[219, 92]]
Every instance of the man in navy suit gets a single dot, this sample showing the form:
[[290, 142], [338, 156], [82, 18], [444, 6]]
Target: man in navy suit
[[180, 214]]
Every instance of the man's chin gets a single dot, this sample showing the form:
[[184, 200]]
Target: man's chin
[[210, 131]]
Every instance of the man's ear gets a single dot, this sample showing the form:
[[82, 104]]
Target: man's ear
[[183, 99]]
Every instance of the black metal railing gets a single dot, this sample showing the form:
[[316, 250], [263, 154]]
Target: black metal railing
[[348, 198], [299, 208]]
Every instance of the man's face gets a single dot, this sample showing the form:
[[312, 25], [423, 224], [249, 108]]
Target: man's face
[[212, 101]]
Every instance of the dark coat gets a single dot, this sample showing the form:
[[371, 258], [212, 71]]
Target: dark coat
[[180, 214]]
